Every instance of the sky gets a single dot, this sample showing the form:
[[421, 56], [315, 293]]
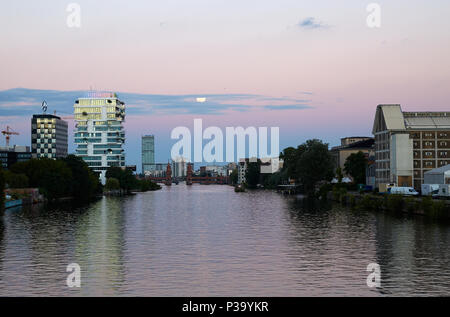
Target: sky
[[315, 69]]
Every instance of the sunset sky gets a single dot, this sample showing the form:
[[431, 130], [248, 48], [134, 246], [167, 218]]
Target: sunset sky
[[313, 68]]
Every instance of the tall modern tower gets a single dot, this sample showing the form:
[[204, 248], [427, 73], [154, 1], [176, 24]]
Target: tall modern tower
[[148, 153], [99, 134], [48, 136]]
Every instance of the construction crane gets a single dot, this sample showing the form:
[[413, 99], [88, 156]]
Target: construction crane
[[7, 133]]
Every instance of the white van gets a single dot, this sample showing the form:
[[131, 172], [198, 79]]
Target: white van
[[444, 190], [407, 191], [430, 189]]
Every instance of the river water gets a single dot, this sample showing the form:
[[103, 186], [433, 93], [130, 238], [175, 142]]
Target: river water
[[211, 241]]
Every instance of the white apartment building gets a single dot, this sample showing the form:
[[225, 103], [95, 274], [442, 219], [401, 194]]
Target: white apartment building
[[99, 134]]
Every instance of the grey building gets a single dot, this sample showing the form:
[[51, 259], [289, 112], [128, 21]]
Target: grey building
[[49, 135], [408, 144], [148, 153]]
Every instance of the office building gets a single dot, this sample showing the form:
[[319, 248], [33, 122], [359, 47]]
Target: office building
[[242, 170], [179, 167], [349, 146], [157, 170], [148, 153], [49, 136], [267, 166], [408, 144], [14, 154], [99, 133]]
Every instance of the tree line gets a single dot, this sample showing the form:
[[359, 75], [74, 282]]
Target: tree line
[[309, 164], [68, 177], [124, 180]]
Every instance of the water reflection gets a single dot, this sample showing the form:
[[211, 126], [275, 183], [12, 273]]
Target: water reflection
[[210, 241]]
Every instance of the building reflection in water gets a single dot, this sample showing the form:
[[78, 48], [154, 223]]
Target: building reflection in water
[[210, 241], [99, 243], [414, 255]]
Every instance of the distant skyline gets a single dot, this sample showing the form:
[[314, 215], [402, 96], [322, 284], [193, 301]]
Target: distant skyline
[[313, 68]]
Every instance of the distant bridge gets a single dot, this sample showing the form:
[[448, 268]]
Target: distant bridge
[[203, 180]]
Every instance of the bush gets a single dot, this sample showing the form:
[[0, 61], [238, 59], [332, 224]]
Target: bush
[[324, 190], [148, 185], [395, 203], [367, 203], [439, 209], [348, 200], [427, 205], [339, 193], [411, 205]]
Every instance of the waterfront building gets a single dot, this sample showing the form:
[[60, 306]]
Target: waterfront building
[[242, 170], [408, 144], [270, 167], [349, 146], [14, 154], [216, 170], [49, 136], [148, 153], [440, 175], [99, 133], [231, 167], [158, 170], [179, 167]]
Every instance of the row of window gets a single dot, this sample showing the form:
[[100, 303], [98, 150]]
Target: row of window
[[430, 135], [87, 135], [96, 102]]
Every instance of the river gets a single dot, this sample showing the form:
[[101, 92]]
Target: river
[[210, 241]]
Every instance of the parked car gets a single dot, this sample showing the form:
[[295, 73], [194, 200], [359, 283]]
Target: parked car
[[407, 191]]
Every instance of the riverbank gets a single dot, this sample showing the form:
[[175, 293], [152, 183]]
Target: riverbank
[[423, 206]]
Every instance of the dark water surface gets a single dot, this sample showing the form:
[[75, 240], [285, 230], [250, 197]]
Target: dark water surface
[[210, 241]]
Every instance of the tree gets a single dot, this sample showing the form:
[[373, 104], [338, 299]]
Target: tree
[[355, 166], [112, 184], [252, 174], [315, 164], [125, 177], [84, 184], [147, 185], [290, 156], [16, 180], [52, 177], [234, 176], [339, 175]]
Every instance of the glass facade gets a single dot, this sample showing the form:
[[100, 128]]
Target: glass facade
[[99, 134], [148, 153], [49, 137]]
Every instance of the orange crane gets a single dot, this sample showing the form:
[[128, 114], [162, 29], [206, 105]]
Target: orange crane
[[7, 133]]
